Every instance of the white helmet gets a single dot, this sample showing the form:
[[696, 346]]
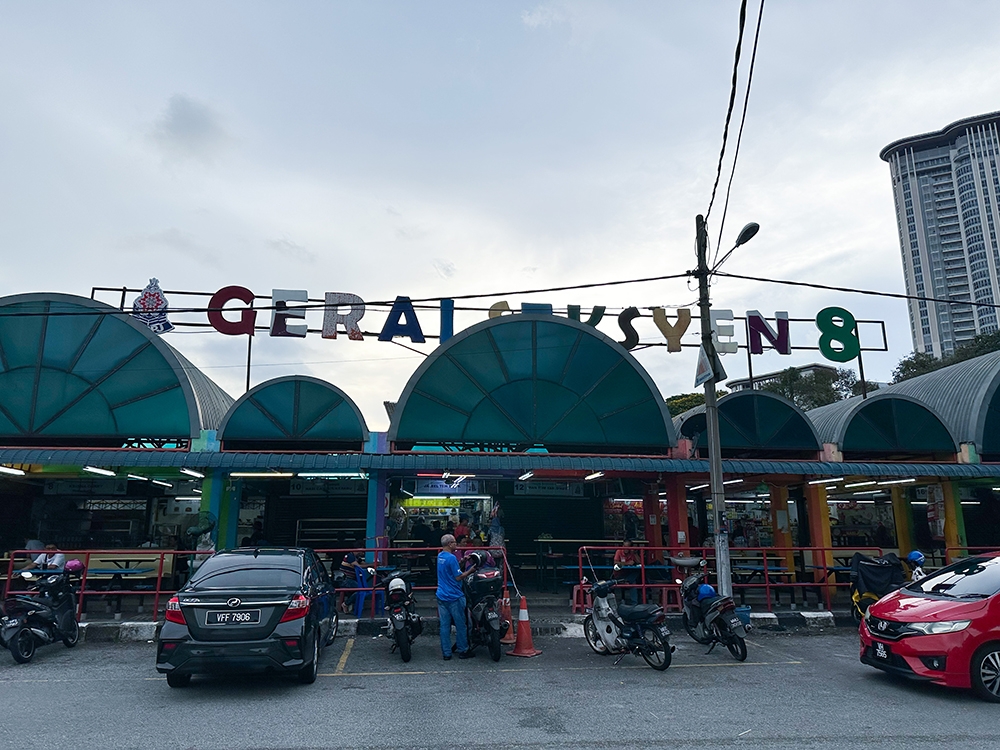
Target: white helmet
[[396, 584]]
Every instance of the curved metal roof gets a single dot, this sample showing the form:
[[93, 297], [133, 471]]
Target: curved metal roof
[[74, 370], [883, 423], [939, 137], [526, 380], [965, 395], [753, 420], [294, 411]]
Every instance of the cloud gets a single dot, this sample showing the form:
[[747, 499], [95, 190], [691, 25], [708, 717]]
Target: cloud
[[445, 268], [172, 242], [543, 15], [188, 129], [285, 246]]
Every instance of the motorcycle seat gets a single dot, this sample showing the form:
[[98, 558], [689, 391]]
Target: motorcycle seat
[[637, 612], [686, 562]]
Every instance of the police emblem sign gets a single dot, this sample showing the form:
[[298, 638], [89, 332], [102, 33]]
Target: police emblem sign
[[150, 308]]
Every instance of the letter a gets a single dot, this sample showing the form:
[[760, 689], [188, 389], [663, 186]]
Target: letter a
[[402, 308]]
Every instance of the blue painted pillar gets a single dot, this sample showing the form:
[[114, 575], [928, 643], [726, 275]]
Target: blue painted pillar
[[217, 499], [375, 525]]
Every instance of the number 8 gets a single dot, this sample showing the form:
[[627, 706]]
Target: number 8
[[837, 324]]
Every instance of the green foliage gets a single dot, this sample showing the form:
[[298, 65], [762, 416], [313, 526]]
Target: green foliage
[[815, 389], [919, 363], [683, 401]]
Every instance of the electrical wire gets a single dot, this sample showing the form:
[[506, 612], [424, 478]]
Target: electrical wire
[[739, 136], [729, 110]]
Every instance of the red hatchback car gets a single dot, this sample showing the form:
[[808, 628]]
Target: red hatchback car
[[944, 628]]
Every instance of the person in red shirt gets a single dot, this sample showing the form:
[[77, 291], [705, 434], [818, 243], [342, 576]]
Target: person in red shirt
[[463, 527], [627, 558]]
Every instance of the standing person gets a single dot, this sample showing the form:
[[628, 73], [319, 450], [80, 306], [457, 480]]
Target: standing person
[[451, 599]]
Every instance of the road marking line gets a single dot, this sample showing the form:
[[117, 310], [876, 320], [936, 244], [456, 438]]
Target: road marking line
[[344, 656]]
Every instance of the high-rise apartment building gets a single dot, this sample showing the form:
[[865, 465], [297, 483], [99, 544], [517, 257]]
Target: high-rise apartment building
[[947, 194]]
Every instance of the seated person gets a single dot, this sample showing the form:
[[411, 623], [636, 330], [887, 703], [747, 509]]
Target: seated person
[[627, 558], [50, 559], [351, 562]]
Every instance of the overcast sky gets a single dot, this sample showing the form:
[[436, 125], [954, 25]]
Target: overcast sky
[[434, 148]]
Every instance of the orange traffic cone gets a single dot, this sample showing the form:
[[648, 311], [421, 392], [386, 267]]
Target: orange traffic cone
[[523, 646], [505, 614]]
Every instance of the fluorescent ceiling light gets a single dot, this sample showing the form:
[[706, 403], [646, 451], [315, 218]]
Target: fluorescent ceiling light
[[831, 487], [136, 476], [102, 472], [595, 475], [452, 500], [865, 502], [860, 484], [868, 492], [406, 492], [162, 484], [261, 474], [331, 475], [459, 479], [187, 497], [827, 481], [445, 475], [663, 494], [896, 481], [12, 472], [733, 481], [919, 502], [193, 473], [699, 487], [970, 502], [526, 475]]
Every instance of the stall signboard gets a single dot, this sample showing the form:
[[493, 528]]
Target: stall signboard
[[342, 312], [549, 489], [935, 510], [91, 487], [448, 487], [322, 487]]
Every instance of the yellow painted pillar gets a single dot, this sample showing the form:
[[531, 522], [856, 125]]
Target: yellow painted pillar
[[780, 526], [904, 520], [953, 528], [819, 533]]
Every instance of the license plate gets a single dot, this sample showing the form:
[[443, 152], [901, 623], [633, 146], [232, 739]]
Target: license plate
[[664, 631], [735, 622], [881, 652], [242, 617]]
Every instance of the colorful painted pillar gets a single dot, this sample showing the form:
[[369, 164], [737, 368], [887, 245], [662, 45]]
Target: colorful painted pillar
[[819, 536], [677, 516], [375, 526], [954, 522], [904, 520], [222, 502], [781, 529], [651, 516]]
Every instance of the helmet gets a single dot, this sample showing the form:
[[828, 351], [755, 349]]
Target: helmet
[[73, 566], [705, 591], [915, 558]]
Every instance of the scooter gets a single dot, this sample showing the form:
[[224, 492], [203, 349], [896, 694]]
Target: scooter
[[28, 621], [638, 629], [711, 620], [403, 624], [482, 589]]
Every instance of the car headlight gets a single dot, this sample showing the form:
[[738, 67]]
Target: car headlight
[[937, 628]]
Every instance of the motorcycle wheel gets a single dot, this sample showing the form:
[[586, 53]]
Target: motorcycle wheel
[[593, 637], [655, 651], [73, 636], [22, 646], [737, 647], [403, 644], [494, 644]]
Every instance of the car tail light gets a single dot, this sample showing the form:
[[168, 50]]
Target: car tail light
[[173, 612], [297, 609], [168, 646]]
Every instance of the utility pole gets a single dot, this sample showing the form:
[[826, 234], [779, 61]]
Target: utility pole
[[718, 494]]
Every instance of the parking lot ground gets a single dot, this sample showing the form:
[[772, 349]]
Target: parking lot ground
[[794, 691]]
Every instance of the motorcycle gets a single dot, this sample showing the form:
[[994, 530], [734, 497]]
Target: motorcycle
[[712, 620], [28, 621], [482, 589], [638, 629], [403, 623]]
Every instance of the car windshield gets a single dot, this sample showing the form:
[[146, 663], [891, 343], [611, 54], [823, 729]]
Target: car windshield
[[248, 578], [974, 577]]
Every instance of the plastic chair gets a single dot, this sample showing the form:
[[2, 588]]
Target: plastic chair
[[360, 595]]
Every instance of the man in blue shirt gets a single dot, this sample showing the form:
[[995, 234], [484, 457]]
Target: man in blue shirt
[[451, 599]]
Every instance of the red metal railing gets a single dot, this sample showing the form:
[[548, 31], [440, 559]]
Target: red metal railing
[[949, 557], [114, 566], [812, 569]]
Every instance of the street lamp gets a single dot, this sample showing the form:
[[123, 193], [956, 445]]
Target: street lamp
[[708, 355]]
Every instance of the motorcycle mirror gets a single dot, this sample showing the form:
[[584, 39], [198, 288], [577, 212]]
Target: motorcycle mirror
[[617, 568], [371, 571], [27, 575], [678, 580]]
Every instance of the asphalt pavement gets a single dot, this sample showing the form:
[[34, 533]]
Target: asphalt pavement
[[794, 691]]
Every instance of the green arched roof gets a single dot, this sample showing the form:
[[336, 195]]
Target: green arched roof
[[526, 380], [77, 371], [754, 422], [884, 423], [294, 413]]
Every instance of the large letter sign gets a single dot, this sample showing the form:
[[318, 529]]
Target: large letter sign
[[248, 316], [838, 325], [757, 326], [672, 333], [402, 308], [730, 345], [332, 317], [280, 327]]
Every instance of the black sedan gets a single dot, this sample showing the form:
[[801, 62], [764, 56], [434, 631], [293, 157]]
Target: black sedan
[[249, 610]]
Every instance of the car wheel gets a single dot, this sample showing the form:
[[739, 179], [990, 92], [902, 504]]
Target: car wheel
[[22, 646], [308, 673], [985, 670], [178, 680], [334, 627]]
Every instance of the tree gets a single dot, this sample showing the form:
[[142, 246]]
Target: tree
[[683, 401], [913, 364], [815, 389], [920, 363]]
